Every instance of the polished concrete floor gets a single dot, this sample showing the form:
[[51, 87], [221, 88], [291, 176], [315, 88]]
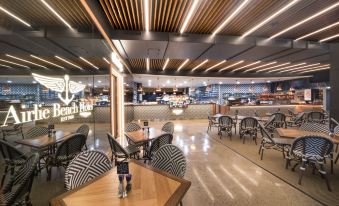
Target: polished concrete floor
[[220, 175]]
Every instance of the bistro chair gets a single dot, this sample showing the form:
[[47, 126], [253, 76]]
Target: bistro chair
[[171, 159], [268, 125], [268, 141], [311, 151], [316, 117], [248, 126], [17, 190], [279, 120], [67, 150], [156, 144], [225, 125], [15, 131], [168, 128], [315, 127], [13, 158], [86, 166], [297, 120], [211, 122], [132, 127], [83, 129], [121, 152]]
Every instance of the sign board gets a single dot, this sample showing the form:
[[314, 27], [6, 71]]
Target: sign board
[[307, 94]]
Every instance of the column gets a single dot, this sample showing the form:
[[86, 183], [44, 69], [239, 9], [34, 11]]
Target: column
[[334, 81]]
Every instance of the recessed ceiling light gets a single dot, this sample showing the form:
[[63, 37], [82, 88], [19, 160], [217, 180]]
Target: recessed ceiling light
[[147, 64], [168, 81], [292, 66], [68, 62], [23, 60], [10, 62], [183, 64], [189, 15], [14, 16], [287, 70], [47, 62], [106, 60], [2, 65], [232, 65], [275, 14], [202, 63], [88, 62], [80, 82], [252, 82], [212, 67], [220, 82], [268, 81], [165, 65], [89, 84], [248, 65], [146, 5], [279, 65], [314, 70], [318, 31], [9, 81], [329, 38], [185, 82], [34, 82], [238, 82], [95, 86], [327, 9], [99, 81], [56, 14], [228, 19], [261, 66]]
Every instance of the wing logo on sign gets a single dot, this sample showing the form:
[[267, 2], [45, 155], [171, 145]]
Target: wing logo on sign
[[61, 85]]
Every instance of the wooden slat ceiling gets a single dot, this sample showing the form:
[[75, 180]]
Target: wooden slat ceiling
[[169, 15], [36, 14], [156, 65]]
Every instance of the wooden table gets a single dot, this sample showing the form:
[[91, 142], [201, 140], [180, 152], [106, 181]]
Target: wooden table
[[142, 136], [295, 133], [149, 187], [45, 141]]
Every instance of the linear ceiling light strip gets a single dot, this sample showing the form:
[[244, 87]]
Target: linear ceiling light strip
[[10, 62], [23, 60], [292, 66], [230, 17], [309, 68], [2, 65], [68, 62], [147, 64], [318, 31], [261, 66], [275, 14], [189, 15], [183, 64], [329, 38], [198, 66], [315, 70], [287, 70], [106, 60], [51, 63], [146, 6], [323, 11], [15, 16], [232, 65], [88, 62], [214, 66], [248, 65], [279, 65], [56, 14], [165, 65]]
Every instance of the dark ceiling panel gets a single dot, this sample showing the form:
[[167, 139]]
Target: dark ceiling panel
[[144, 49], [185, 50]]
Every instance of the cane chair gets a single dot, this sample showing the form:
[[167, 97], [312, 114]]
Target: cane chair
[[268, 141], [211, 123], [13, 158], [67, 150], [279, 120], [248, 126], [311, 151], [297, 120], [17, 190], [132, 127], [168, 127], [156, 144], [15, 131], [225, 125], [316, 117], [86, 166], [119, 152]]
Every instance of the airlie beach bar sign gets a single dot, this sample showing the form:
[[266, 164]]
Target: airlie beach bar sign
[[44, 113]]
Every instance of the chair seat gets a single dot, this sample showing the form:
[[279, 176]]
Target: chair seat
[[5, 197], [283, 141], [132, 149]]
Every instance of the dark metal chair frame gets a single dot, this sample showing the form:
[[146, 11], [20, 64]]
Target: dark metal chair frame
[[315, 116], [279, 120], [16, 130], [168, 127], [83, 129], [306, 153], [296, 120], [211, 123], [249, 126], [156, 144], [119, 151], [225, 125]]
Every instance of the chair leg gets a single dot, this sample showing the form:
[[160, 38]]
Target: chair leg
[[4, 176], [324, 174], [180, 203], [287, 163], [336, 148], [336, 159], [302, 169], [262, 153], [243, 139], [260, 148]]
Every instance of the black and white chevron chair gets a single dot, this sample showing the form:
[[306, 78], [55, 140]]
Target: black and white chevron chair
[[119, 152], [156, 144], [13, 158], [67, 150], [297, 120], [315, 127], [279, 120], [17, 190], [268, 141], [248, 126], [311, 151], [168, 128], [83, 129], [316, 117], [171, 159], [225, 125], [86, 166]]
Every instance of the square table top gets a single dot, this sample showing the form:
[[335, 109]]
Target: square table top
[[150, 187], [142, 136], [295, 133], [45, 141]]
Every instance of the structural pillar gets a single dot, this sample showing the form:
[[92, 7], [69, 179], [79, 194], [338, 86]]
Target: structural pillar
[[334, 80]]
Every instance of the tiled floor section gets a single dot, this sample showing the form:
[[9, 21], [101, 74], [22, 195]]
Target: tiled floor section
[[219, 176]]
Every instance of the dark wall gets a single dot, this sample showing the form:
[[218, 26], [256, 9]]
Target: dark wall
[[334, 80]]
